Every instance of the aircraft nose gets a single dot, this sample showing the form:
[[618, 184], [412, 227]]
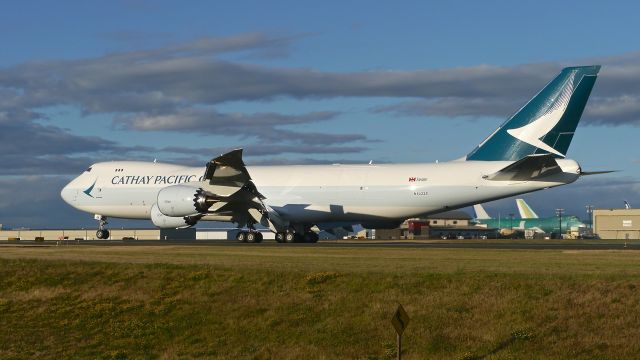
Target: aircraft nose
[[67, 194]]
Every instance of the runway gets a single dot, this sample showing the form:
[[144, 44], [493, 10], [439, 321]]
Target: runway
[[435, 244]]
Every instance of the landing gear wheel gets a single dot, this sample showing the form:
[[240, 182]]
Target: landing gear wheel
[[242, 236], [290, 237], [280, 237], [259, 237], [251, 237], [102, 232]]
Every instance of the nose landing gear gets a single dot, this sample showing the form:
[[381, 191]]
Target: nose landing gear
[[102, 232]]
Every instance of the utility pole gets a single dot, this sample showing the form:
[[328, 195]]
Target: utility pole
[[590, 216], [511, 226], [559, 213]]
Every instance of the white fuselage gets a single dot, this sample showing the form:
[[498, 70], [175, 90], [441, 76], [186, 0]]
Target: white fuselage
[[313, 194]]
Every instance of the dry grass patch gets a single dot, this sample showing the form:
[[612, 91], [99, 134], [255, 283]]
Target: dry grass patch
[[318, 303]]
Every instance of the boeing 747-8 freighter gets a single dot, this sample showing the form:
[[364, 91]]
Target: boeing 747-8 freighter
[[526, 153]]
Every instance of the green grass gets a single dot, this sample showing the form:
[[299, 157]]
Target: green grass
[[302, 302]]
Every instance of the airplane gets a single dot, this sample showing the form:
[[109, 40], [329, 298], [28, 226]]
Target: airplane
[[525, 154], [528, 220]]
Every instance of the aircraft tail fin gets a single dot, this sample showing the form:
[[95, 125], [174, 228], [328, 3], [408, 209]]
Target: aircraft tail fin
[[546, 124], [481, 213], [526, 212]]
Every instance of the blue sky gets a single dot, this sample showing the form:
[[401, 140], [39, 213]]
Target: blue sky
[[296, 82]]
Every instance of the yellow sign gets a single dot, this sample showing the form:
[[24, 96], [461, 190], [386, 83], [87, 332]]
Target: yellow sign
[[400, 320]]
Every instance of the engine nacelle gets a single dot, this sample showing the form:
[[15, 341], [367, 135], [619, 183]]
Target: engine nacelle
[[182, 200], [171, 222]]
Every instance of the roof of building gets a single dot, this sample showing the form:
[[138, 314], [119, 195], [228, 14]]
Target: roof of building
[[462, 228], [451, 215]]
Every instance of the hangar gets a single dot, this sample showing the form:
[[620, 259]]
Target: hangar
[[127, 234], [621, 224]]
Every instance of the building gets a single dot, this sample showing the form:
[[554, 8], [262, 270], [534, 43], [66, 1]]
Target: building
[[621, 224], [449, 225], [128, 234]]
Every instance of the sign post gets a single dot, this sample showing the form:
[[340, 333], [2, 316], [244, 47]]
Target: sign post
[[400, 321]]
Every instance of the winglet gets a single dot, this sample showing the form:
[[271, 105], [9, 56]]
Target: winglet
[[227, 170]]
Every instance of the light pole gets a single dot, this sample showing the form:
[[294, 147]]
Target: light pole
[[559, 213], [589, 215], [511, 226]]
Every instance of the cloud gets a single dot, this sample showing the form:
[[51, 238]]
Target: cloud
[[177, 87], [614, 100], [613, 111], [34, 202], [171, 88], [305, 161], [173, 79], [266, 150], [453, 107], [30, 201]]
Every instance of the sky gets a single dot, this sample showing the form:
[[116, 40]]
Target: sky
[[296, 82]]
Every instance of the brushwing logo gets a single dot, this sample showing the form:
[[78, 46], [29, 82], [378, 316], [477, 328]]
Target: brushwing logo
[[535, 130], [90, 188]]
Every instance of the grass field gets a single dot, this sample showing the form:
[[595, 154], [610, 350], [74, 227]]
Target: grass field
[[322, 303]]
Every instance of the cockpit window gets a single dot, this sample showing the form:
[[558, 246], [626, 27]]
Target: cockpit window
[[88, 170]]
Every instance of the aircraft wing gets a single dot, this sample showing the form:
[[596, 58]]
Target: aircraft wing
[[529, 167], [229, 186]]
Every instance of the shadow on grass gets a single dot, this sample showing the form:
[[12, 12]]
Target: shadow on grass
[[515, 336]]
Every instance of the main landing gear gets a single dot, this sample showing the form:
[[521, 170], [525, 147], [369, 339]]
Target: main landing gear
[[250, 236], [291, 236], [102, 232]]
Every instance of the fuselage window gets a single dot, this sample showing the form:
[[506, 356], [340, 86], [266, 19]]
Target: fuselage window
[[88, 170]]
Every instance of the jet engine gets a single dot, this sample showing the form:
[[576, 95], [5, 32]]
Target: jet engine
[[183, 200], [171, 222]]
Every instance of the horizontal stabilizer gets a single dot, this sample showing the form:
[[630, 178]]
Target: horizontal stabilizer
[[530, 167]]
